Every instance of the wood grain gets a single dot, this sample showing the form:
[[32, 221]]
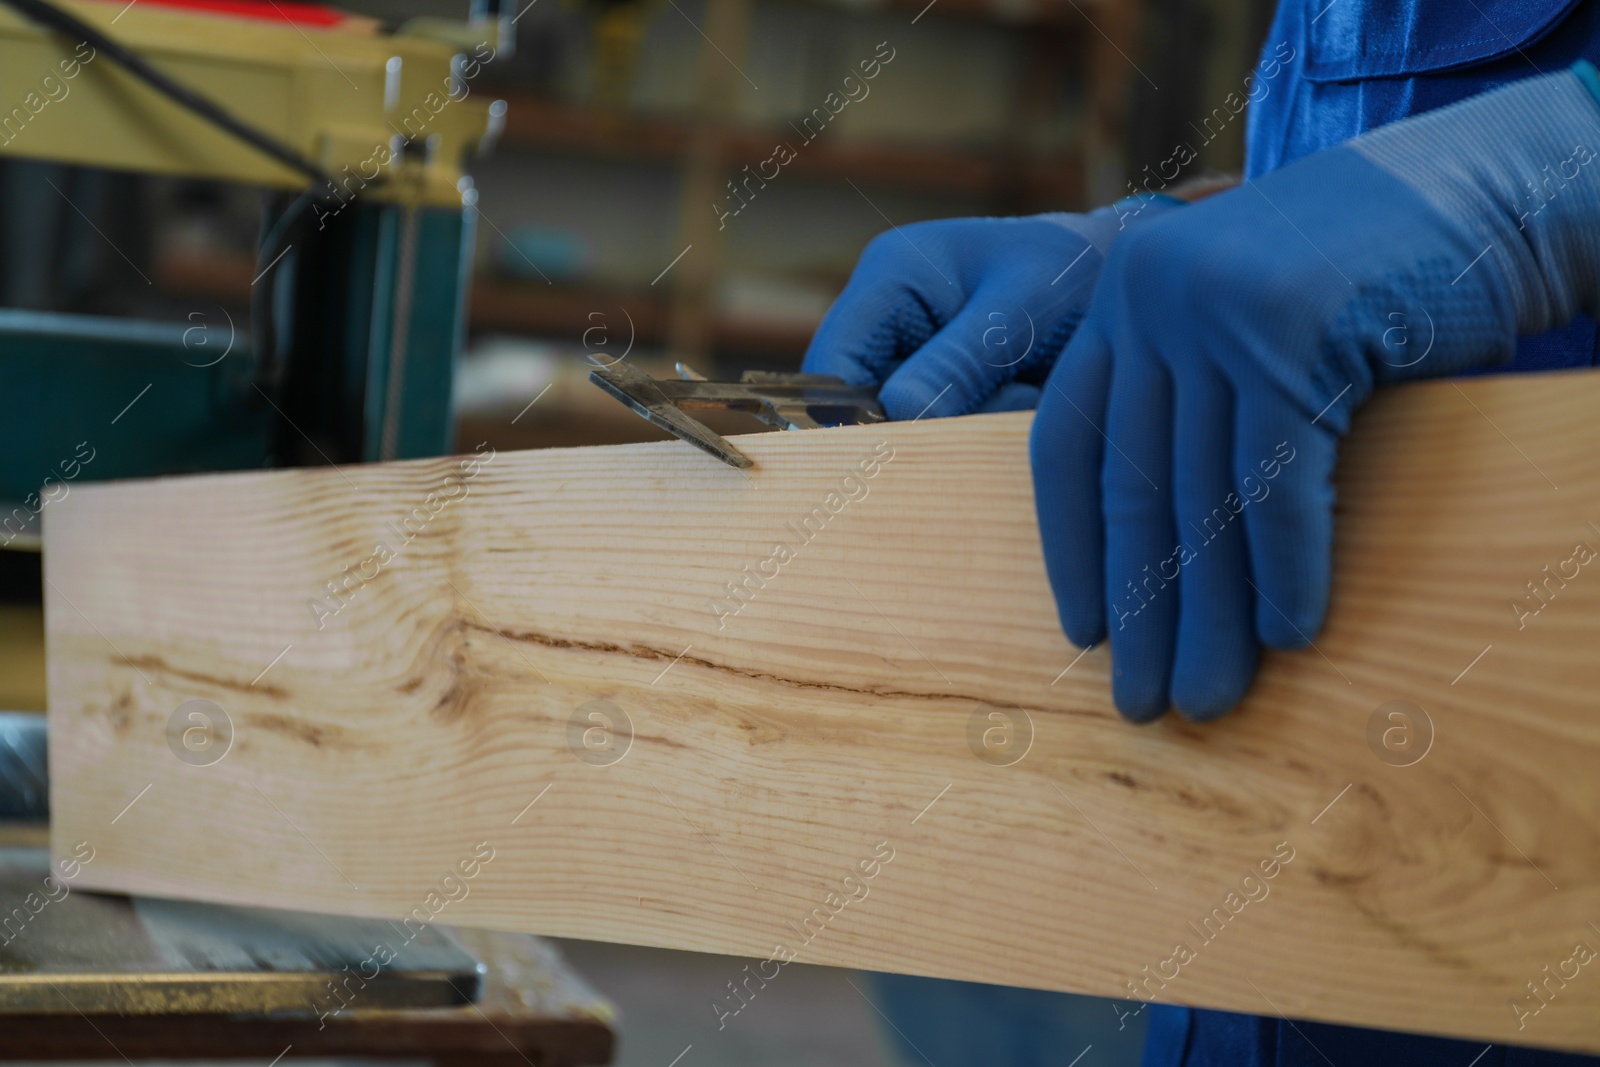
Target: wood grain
[[826, 725]]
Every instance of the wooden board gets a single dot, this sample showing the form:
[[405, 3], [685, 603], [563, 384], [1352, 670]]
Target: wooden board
[[825, 742]]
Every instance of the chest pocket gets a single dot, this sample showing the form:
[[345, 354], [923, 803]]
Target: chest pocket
[[1355, 39]]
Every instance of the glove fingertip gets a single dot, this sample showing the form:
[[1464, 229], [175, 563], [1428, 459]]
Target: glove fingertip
[[1207, 712], [1076, 589], [1219, 691], [1140, 712], [1139, 697], [1291, 616], [1085, 629], [858, 339], [907, 397], [1289, 523], [825, 356]]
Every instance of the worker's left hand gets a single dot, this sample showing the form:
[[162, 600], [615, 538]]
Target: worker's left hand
[[1185, 442], [955, 316]]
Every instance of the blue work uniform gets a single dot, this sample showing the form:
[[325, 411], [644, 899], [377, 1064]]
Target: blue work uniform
[[1354, 65], [1337, 69]]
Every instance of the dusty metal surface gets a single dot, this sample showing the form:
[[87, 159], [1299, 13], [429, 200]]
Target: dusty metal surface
[[64, 950], [24, 780]]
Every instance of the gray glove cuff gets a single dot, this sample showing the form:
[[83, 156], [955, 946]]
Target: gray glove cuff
[[1519, 168]]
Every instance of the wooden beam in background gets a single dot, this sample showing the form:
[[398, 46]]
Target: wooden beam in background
[[888, 756]]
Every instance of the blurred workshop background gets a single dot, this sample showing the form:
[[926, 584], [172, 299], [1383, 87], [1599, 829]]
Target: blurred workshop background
[[605, 215], [636, 200]]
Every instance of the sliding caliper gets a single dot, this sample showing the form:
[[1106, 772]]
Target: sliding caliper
[[787, 401]]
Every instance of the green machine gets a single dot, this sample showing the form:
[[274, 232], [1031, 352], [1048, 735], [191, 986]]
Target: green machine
[[357, 305]]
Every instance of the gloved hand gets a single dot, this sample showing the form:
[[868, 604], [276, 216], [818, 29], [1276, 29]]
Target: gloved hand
[[961, 315], [1185, 442]]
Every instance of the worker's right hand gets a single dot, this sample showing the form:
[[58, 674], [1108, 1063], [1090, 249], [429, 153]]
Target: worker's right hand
[[1227, 341], [962, 315]]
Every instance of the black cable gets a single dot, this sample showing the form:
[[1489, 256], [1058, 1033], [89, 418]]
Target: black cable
[[275, 244], [69, 24]]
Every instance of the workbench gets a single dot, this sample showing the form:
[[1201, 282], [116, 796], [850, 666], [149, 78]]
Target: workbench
[[89, 976]]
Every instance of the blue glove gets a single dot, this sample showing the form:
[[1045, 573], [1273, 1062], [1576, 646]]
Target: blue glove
[[1185, 443], [962, 315]]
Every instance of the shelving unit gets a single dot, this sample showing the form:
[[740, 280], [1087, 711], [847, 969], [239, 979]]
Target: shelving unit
[[1073, 68], [1055, 77], [986, 174]]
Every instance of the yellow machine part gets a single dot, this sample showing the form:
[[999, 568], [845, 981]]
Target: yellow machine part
[[344, 96]]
